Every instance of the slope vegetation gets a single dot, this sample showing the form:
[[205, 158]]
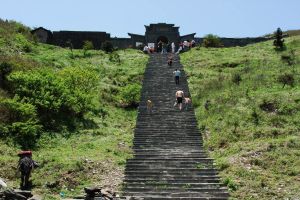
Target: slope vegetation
[[247, 103], [75, 109]]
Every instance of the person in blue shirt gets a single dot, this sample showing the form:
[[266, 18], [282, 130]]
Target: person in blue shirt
[[177, 74]]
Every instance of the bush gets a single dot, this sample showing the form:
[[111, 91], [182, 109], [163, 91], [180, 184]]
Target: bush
[[130, 95], [236, 79], [107, 47], [211, 40], [27, 48], [114, 57], [81, 85], [87, 45], [286, 79], [58, 98], [5, 69], [290, 58], [19, 120]]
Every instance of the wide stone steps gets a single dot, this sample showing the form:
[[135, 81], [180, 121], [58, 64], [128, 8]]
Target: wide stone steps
[[169, 161], [173, 198], [202, 179], [161, 195]]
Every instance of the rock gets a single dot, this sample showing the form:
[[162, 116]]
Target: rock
[[52, 185], [36, 197], [25, 193], [2, 184], [12, 195], [92, 190], [107, 194]]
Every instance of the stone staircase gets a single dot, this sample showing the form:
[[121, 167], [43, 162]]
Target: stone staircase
[[169, 161]]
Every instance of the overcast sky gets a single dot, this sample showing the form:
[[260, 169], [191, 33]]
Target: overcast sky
[[225, 18]]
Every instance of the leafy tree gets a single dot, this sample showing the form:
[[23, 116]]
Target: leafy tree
[[70, 45], [87, 45], [236, 79], [211, 40], [130, 95], [278, 42], [59, 98], [19, 120], [114, 57], [5, 69], [286, 79], [107, 47], [289, 58]]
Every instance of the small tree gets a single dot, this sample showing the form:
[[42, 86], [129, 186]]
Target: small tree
[[278, 42], [211, 40], [107, 47], [70, 45], [286, 79], [87, 45], [236, 79], [114, 57], [289, 58]]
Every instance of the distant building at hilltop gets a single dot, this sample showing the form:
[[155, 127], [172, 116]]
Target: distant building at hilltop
[[154, 33], [42, 34]]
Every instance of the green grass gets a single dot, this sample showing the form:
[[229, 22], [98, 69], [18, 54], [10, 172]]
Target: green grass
[[251, 128], [94, 152]]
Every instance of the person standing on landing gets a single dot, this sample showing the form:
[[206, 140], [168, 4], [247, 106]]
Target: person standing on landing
[[173, 47], [177, 74], [179, 97]]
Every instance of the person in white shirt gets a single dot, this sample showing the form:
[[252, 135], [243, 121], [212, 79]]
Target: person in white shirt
[[193, 43], [146, 49], [173, 47], [179, 50], [186, 45]]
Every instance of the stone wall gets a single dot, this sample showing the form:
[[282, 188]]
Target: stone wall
[[232, 42], [77, 38], [122, 43]]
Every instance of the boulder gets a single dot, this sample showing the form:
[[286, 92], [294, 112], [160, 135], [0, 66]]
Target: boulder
[[2, 184], [36, 197], [12, 195], [25, 193]]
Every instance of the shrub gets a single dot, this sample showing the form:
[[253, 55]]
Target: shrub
[[87, 45], [19, 120], [255, 117], [236, 78], [59, 98], [27, 48], [81, 85], [107, 47], [5, 69], [130, 95], [114, 57], [211, 40], [290, 58], [269, 105], [230, 184], [286, 79]]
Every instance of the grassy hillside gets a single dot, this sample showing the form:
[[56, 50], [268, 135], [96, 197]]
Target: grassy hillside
[[247, 102], [75, 109]]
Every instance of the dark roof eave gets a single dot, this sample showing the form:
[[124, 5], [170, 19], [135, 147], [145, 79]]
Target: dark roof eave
[[188, 35], [132, 34]]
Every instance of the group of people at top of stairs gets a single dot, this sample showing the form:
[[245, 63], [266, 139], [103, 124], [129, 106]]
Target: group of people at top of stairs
[[163, 47]]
